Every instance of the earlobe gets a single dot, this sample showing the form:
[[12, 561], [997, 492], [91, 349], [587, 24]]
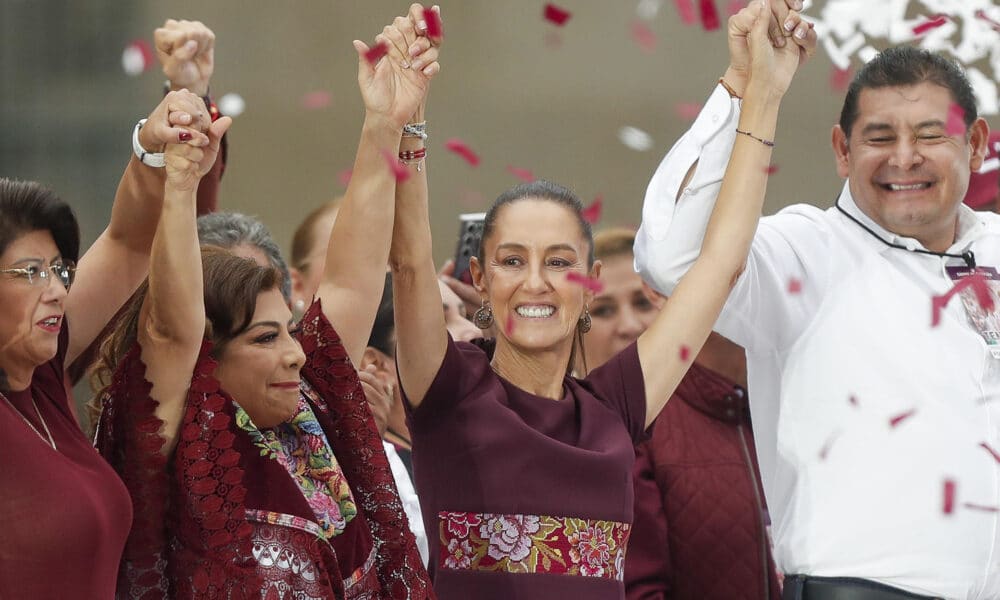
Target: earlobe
[[839, 141]]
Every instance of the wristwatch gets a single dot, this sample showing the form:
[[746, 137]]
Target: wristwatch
[[150, 159]]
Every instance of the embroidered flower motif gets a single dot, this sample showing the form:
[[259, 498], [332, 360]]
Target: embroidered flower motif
[[590, 548], [459, 523], [509, 535], [460, 554]]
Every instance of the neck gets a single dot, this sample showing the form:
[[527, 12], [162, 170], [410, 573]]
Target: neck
[[725, 358], [540, 373], [17, 377]]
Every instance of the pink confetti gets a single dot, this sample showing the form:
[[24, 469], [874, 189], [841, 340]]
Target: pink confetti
[[376, 52], [398, 169], [316, 100], [825, 450], [588, 282], [592, 214], [771, 169], [687, 110], [949, 497], [685, 8], [979, 286], [895, 421], [794, 285], [460, 148], [685, 353], [853, 400], [433, 22], [735, 6], [344, 177], [524, 175], [981, 14], [643, 36], [840, 79], [556, 15], [980, 507], [932, 23], [989, 449], [937, 305], [709, 16], [956, 120]]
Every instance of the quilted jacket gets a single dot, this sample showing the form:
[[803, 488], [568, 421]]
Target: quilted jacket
[[700, 518]]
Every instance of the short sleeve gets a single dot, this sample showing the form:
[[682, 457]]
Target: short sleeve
[[620, 385], [462, 368]]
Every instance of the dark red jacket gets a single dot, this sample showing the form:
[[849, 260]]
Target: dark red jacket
[[699, 530]]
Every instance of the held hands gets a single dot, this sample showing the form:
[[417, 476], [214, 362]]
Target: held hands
[[396, 86], [186, 50], [187, 162], [180, 117], [378, 393], [786, 30], [771, 68]]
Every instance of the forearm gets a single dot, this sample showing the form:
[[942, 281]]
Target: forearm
[[136, 208]]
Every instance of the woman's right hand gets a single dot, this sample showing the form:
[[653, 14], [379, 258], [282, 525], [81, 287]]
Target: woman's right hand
[[773, 67], [188, 162], [394, 88]]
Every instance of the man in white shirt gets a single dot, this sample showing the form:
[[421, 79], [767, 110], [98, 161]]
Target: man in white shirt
[[877, 430]]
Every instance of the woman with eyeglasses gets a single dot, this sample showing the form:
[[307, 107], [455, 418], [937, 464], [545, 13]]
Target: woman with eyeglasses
[[64, 514]]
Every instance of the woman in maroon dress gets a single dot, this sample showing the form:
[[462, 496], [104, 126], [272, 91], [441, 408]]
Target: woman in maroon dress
[[254, 464], [523, 471], [64, 514]]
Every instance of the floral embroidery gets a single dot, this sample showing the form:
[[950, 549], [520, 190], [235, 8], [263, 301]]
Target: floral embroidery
[[532, 544], [301, 447]]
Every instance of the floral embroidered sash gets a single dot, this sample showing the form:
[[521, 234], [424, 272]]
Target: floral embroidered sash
[[532, 544], [300, 446]]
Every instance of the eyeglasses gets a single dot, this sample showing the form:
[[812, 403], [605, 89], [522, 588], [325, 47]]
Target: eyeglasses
[[36, 272]]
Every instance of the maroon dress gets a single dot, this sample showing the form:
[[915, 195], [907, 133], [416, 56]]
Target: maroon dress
[[64, 514], [527, 497]]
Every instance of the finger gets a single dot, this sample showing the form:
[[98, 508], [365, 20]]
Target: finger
[[435, 36], [794, 4], [203, 35], [406, 27], [179, 117], [418, 47], [365, 69], [427, 57], [218, 129], [447, 269], [186, 51], [397, 45], [416, 16], [431, 70], [167, 37], [775, 31], [760, 32]]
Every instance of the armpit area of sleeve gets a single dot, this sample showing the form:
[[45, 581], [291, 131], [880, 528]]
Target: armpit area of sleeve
[[450, 382], [621, 381]]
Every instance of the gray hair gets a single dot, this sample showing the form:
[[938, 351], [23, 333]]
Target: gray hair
[[231, 229]]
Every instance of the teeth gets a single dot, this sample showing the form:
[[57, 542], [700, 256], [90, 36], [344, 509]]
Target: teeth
[[51, 321], [535, 312], [900, 188]]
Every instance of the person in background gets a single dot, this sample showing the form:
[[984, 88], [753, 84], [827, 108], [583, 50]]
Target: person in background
[[699, 531], [308, 256]]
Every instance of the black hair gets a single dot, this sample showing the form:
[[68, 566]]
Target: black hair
[[903, 66], [27, 206], [381, 337]]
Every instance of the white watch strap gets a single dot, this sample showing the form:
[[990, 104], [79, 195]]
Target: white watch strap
[[151, 159]]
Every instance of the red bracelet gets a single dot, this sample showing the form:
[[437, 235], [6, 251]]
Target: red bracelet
[[412, 154]]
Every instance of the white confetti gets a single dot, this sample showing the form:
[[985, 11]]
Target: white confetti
[[648, 9], [232, 104], [635, 138], [134, 60]]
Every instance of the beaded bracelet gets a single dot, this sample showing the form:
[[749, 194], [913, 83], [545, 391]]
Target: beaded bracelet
[[767, 143], [408, 157], [415, 130]]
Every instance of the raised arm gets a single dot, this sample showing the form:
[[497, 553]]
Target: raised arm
[[115, 265], [679, 331], [358, 251], [172, 318], [421, 336]]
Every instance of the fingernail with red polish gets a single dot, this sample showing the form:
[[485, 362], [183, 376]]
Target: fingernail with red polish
[[184, 136]]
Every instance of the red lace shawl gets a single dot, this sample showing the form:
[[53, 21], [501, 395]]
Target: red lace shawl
[[198, 529]]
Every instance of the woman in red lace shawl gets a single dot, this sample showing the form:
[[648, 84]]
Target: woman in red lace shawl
[[253, 461]]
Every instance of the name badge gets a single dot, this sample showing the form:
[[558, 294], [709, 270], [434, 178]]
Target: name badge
[[985, 322]]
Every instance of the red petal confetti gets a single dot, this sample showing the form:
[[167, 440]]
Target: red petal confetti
[[949, 497], [524, 175], [825, 450], [316, 100], [840, 79], [556, 15], [709, 16], [956, 120], [588, 282], [981, 14], [433, 22], [931, 23], [771, 169], [685, 353], [978, 283], [687, 110], [937, 305], [643, 36], [398, 169], [853, 400], [592, 214], [982, 289], [989, 449], [734, 7], [344, 177], [895, 421], [794, 286], [376, 52], [971, 506], [458, 147], [685, 8]]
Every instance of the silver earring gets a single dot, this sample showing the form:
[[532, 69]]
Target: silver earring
[[585, 321], [483, 318]]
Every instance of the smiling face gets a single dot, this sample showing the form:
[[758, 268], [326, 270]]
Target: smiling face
[[533, 246], [260, 367], [620, 313], [32, 313], [906, 173]]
